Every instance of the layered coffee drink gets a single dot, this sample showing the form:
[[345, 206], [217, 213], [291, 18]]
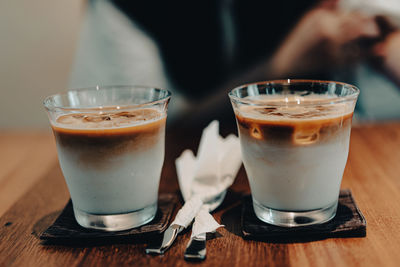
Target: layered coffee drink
[[294, 149], [295, 155], [104, 157], [111, 161], [110, 143]]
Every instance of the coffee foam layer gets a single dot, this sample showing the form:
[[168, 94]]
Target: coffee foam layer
[[293, 108], [294, 124], [107, 120]]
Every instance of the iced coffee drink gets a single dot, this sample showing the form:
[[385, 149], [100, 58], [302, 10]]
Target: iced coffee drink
[[111, 159], [295, 145]]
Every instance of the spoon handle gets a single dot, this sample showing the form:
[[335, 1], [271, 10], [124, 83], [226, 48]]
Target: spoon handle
[[196, 248], [168, 239]]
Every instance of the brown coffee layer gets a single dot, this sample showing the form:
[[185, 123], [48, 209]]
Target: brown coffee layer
[[97, 146], [107, 119], [292, 131]]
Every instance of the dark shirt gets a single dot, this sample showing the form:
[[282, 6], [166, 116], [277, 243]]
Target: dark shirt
[[203, 43]]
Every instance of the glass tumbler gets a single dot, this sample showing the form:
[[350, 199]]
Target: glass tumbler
[[294, 137], [110, 144]]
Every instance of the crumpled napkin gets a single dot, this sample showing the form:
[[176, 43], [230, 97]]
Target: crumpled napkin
[[205, 178]]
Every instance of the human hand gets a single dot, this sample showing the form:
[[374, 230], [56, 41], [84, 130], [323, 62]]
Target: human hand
[[324, 38]]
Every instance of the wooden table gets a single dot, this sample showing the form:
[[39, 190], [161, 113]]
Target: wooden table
[[32, 187]]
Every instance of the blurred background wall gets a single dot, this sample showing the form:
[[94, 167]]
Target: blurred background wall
[[37, 48]]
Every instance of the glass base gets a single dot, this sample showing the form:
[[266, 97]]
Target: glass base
[[116, 222], [294, 218]]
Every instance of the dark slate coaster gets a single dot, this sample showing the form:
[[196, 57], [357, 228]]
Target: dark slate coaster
[[348, 222], [65, 229]]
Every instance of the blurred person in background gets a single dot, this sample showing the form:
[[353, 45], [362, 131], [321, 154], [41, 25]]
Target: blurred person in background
[[202, 49]]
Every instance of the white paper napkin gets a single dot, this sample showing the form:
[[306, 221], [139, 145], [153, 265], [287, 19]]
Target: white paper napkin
[[206, 177]]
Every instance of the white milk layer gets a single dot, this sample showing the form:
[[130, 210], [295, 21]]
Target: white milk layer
[[295, 178], [129, 184]]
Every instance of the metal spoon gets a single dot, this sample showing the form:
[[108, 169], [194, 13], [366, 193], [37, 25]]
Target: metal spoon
[[172, 232], [196, 248], [168, 239]]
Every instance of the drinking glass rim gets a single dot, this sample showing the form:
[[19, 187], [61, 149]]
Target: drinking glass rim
[[334, 100], [50, 106]]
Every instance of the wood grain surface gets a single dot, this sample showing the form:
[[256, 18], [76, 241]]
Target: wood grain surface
[[33, 192]]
